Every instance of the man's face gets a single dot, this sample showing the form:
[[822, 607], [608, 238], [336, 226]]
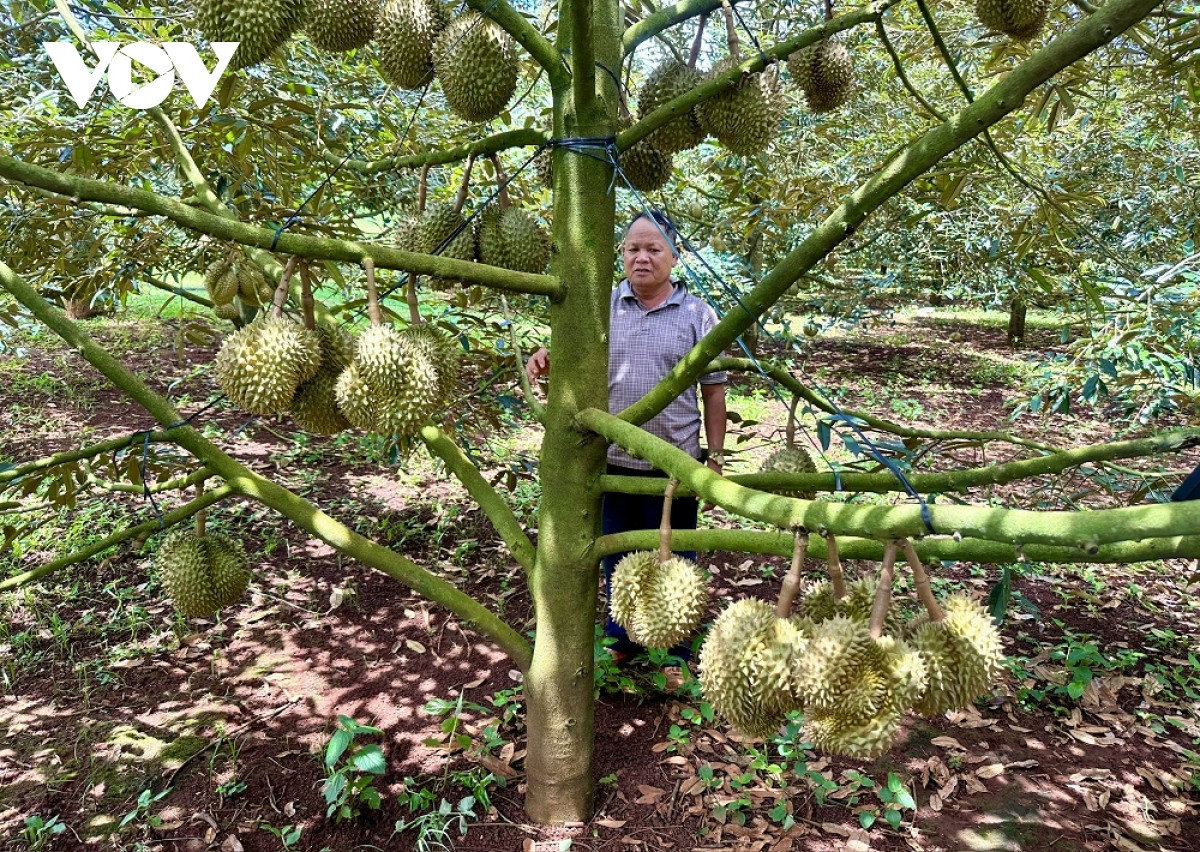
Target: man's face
[[648, 256]]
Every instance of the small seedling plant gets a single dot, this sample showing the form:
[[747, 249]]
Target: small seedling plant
[[38, 832], [351, 769]]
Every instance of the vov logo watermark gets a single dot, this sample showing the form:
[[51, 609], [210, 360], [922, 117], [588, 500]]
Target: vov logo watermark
[[165, 60]]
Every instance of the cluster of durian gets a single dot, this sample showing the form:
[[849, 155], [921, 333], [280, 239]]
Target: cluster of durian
[[658, 602], [1019, 19], [473, 58], [508, 237], [791, 459], [202, 572], [235, 276], [854, 688], [398, 380], [825, 73]]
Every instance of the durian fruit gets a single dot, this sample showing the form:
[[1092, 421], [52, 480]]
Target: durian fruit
[[901, 677], [543, 166], [745, 117], [314, 405], [228, 311], [476, 62], [746, 666], [341, 25], [841, 671], [399, 380], [825, 73], [819, 604], [221, 281], [665, 83], [260, 366], [511, 238], [408, 233], [645, 166], [404, 37], [962, 654], [1020, 19], [659, 604], [260, 27], [791, 459], [253, 287], [229, 569], [444, 233], [202, 573]]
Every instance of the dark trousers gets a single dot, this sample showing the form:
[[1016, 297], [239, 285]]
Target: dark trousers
[[625, 512]]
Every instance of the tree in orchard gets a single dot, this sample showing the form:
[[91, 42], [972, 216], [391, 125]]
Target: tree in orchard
[[152, 181]]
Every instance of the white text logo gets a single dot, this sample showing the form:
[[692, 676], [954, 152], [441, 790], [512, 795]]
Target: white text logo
[[163, 59]]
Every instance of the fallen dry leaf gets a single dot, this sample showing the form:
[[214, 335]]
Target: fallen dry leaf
[[650, 795], [232, 844], [611, 823], [990, 771], [947, 742]]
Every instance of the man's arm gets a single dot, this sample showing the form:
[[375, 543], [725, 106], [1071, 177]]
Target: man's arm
[[713, 397]]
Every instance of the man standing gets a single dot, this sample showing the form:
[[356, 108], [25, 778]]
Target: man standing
[[654, 322]]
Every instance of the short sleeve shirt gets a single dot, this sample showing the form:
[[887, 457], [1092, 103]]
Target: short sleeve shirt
[[643, 346]]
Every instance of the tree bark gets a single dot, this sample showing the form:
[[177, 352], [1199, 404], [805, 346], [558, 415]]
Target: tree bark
[[1016, 322]]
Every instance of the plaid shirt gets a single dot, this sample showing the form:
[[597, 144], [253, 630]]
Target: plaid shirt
[[643, 346]]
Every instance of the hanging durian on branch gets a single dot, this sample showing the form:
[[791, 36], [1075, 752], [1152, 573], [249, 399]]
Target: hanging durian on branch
[[314, 405], [405, 35], [667, 82], [748, 659], [260, 366], [658, 598], [258, 26], [341, 25], [508, 236], [791, 458], [825, 73], [476, 62], [201, 571], [1019, 19]]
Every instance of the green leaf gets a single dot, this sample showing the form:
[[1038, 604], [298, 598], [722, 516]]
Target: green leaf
[[893, 818], [999, 597], [370, 758], [866, 818], [338, 744], [905, 800]]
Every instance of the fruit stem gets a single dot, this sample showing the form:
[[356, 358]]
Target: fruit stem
[[834, 563], [373, 309], [501, 183], [790, 430], [735, 43], [697, 41], [461, 200], [410, 296], [791, 581], [664, 526], [921, 581], [829, 10], [883, 593], [423, 188], [282, 290], [306, 298], [201, 518]]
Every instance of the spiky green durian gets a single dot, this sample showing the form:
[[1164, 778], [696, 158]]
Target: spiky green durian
[[408, 233], [259, 27], [404, 37], [446, 233], [340, 25], [543, 166], [253, 286], [314, 405], [659, 604], [260, 366], [182, 564], [962, 654], [1020, 19], [818, 603], [841, 671], [383, 360], [665, 83], [228, 311], [791, 460], [897, 678], [228, 567], [745, 117], [513, 239], [645, 167], [476, 62], [825, 73], [746, 666], [221, 282], [356, 400]]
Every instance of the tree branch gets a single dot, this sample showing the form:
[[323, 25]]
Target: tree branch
[[1003, 98], [936, 483], [68, 456], [663, 19], [324, 248], [930, 549], [250, 484], [168, 520], [1083, 530], [485, 495]]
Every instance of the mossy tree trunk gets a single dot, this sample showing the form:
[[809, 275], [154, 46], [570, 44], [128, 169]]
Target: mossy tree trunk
[[564, 583]]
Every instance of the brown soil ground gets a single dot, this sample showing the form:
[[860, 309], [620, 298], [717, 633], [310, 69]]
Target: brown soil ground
[[107, 694]]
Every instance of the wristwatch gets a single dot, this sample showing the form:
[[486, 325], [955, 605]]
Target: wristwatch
[[718, 457]]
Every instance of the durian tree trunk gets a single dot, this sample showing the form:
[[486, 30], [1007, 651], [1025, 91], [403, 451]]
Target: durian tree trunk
[[565, 580], [1016, 321]]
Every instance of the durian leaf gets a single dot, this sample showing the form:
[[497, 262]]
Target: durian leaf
[[999, 597]]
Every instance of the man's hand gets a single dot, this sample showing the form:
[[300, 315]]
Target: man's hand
[[538, 365]]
